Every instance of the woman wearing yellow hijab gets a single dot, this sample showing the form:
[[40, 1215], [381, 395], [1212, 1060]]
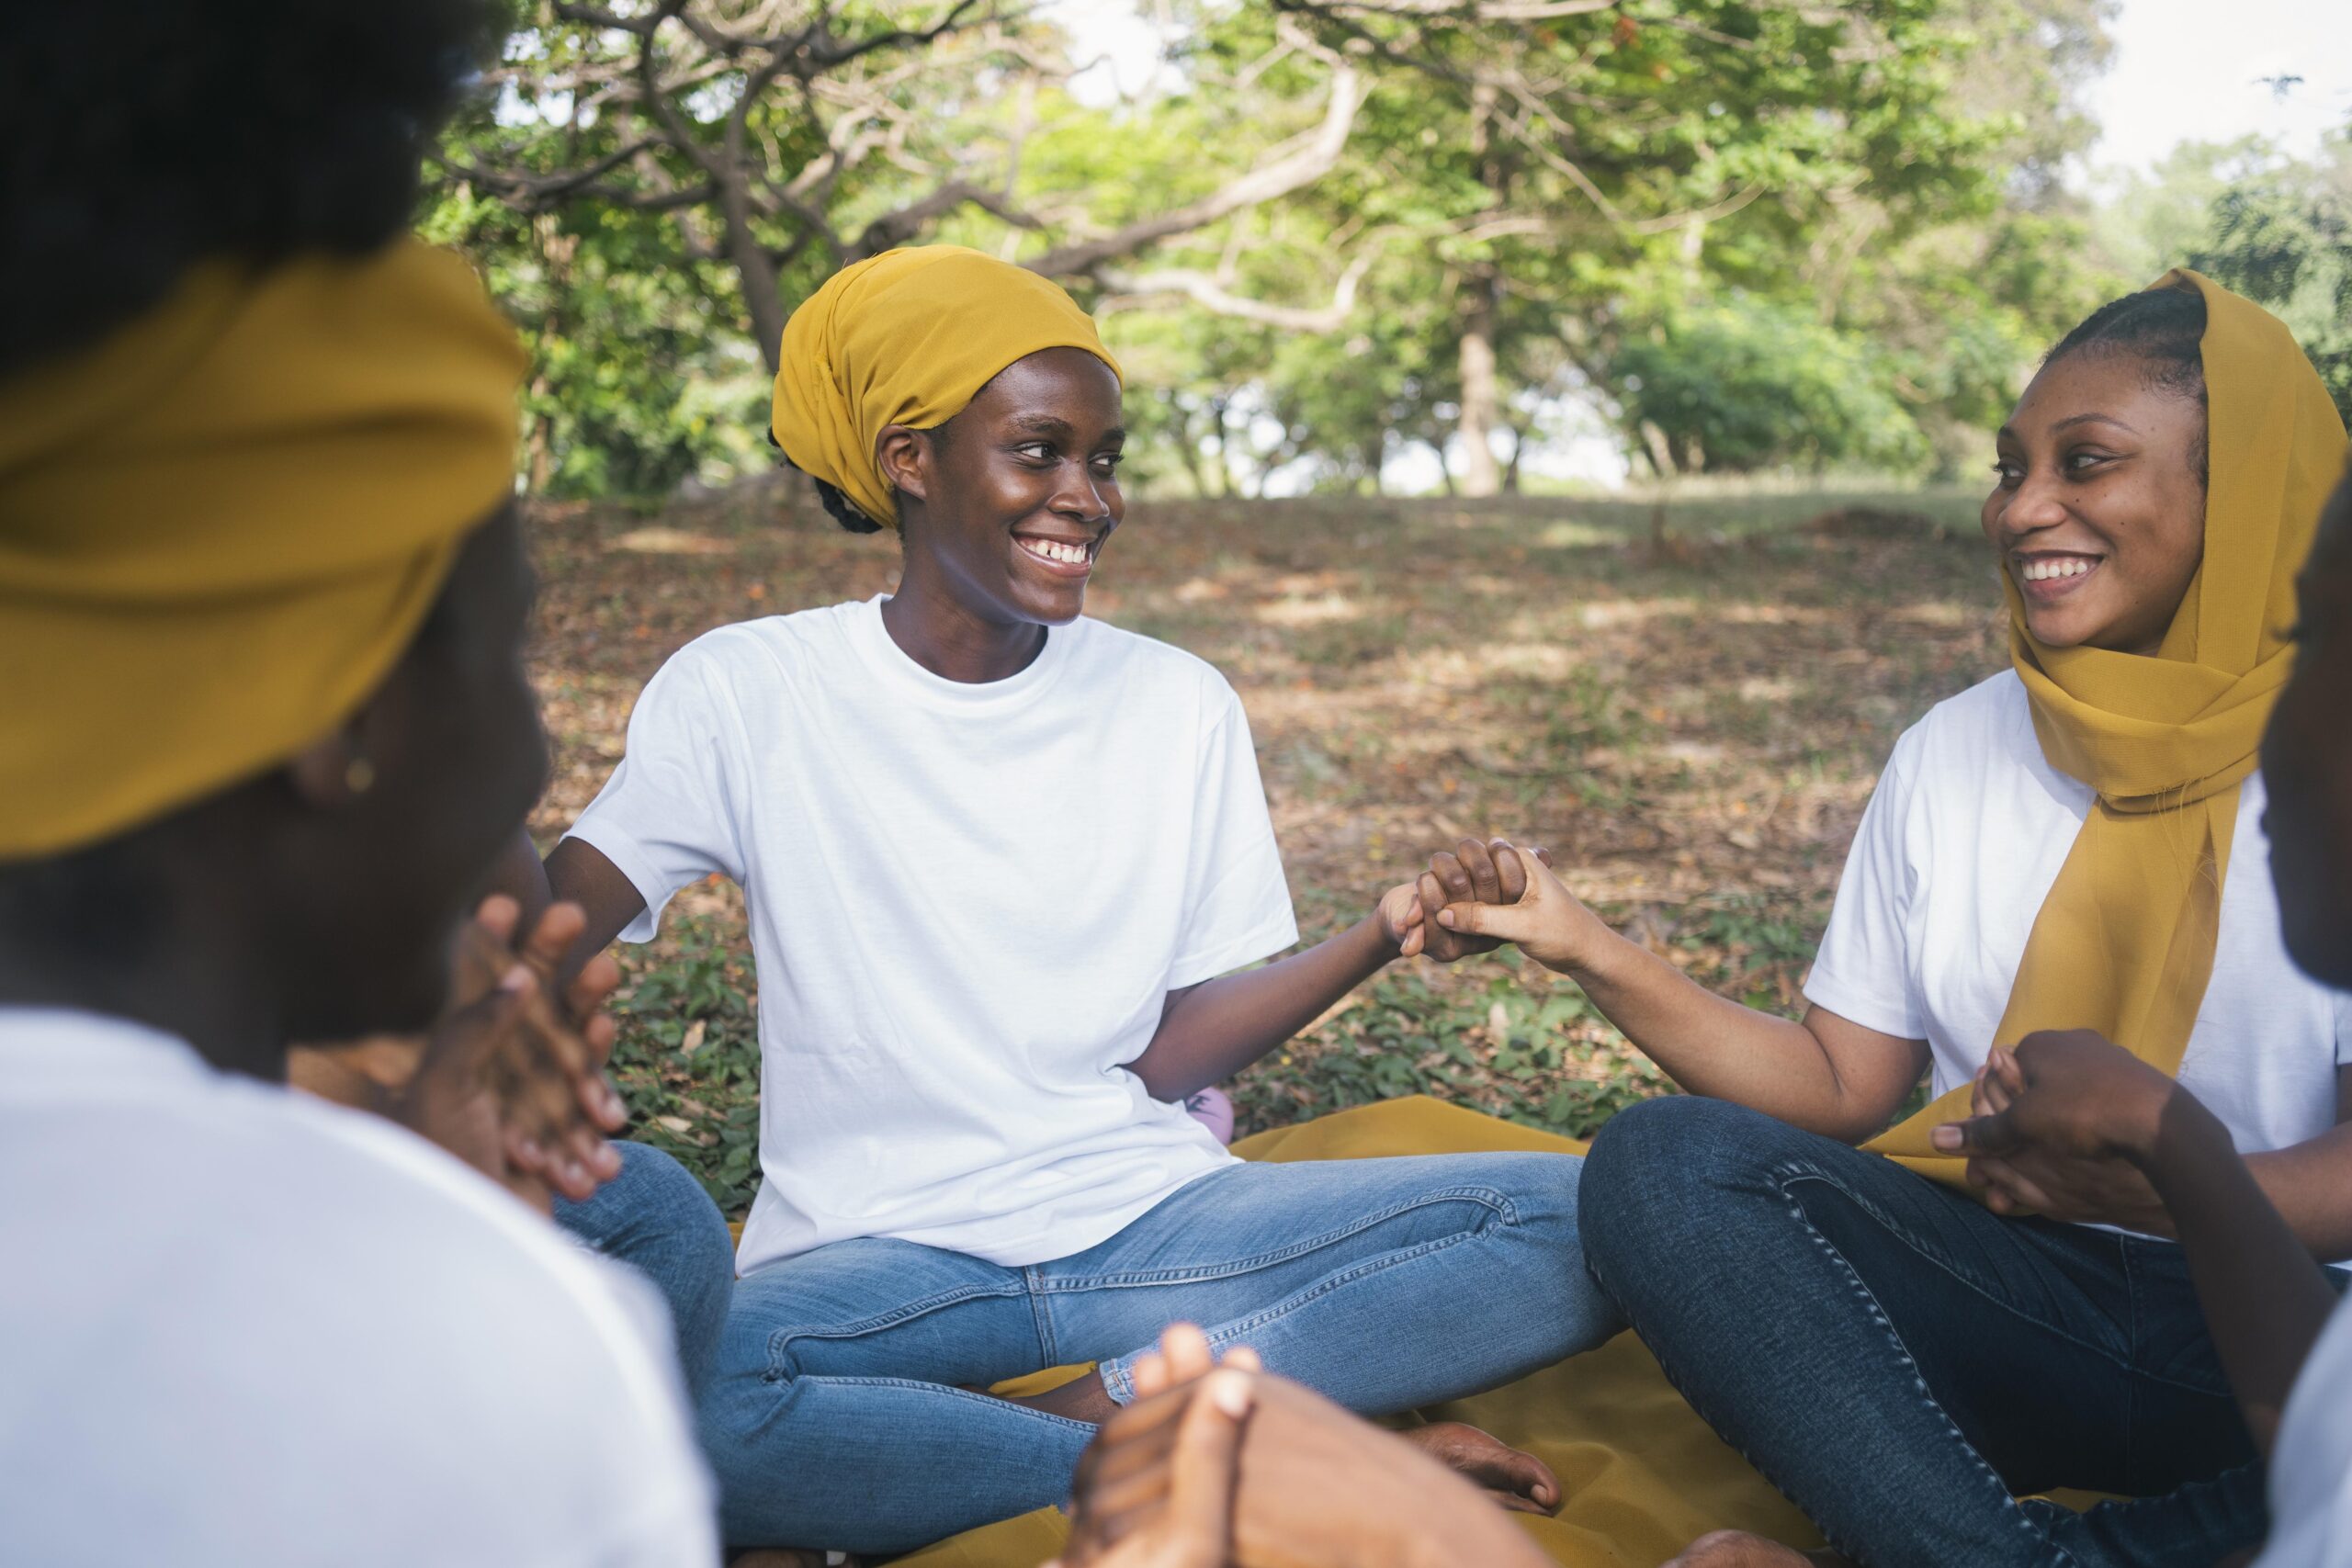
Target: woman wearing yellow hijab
[[1003, 862], [1901, 1340]]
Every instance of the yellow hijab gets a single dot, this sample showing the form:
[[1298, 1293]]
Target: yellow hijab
[[907, 337], [2125, 940], [221, 526]]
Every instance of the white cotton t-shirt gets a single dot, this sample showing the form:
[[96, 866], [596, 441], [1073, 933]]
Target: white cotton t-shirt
[[968, 904], [2311, 1464], [1962, 841], [241, 1328]]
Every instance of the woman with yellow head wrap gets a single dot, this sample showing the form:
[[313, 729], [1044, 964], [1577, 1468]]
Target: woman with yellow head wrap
[[263, 728], [1003, 861], [1898, 1338]]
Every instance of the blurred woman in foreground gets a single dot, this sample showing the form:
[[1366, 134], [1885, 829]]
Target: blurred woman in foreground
[[261, 602]]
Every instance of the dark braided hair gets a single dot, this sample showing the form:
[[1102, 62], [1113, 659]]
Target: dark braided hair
[[141, 137], [838, 507], [843, 510], [2161, 328]]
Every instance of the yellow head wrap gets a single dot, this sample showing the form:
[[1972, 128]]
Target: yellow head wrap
[[2125, 940], [221, 526], [907, 337]]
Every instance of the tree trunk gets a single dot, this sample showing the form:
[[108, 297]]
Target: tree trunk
[[1481, 399], [754, 268], [1217, 462]]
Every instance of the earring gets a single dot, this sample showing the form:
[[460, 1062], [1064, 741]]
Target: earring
[[359, 775]]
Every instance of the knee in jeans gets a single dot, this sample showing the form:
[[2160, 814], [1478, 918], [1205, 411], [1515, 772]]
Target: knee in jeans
[[1657, 1167]]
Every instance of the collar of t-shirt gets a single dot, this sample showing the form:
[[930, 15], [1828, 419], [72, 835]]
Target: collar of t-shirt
[[907, 680]]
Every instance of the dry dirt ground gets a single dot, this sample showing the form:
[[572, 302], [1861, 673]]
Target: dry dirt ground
[[1690, 723]]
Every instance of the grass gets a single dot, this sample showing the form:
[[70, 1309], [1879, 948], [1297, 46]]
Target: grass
[[1691, 725]]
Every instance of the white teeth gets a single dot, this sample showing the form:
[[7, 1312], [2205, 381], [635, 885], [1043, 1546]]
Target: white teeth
[[1055, 550], [2043, 570]]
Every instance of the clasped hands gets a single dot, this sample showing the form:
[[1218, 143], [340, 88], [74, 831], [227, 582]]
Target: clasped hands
[[511, 1078], [2064, 1127], [1224, 1465], [1483, 894]]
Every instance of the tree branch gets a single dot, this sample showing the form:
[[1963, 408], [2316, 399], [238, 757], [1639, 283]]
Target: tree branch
[[897, 228], [1278, 177], [1130, 288]]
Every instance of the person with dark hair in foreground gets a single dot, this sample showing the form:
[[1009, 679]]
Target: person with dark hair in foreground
[[265, 729], [1902, 1343], [1002, 863]]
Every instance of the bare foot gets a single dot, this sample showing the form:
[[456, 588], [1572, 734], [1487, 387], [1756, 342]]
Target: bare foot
[[1081, 1399], [1519, 1481], [1738, 1549]]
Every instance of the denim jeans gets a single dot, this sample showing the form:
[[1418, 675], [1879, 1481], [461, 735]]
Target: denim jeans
[[657, 1219], [842, 1417], [1900, 1360]]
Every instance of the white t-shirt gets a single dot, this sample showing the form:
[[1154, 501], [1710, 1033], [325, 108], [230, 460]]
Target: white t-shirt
[[2310, 1467], [1961, 840], [241, 1328], [968, 904]]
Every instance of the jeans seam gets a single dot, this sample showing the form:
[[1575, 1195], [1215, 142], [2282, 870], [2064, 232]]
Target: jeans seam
[[783, 1337], [1487, 1197], [1227, 1333], [1902, 1234], [1781, 1178], [938, 1388], [1032, 1283]]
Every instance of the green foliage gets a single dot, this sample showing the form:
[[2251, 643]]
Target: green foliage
[[1505, 1049], [688, 1059], [1749, 384], [2286, 241]]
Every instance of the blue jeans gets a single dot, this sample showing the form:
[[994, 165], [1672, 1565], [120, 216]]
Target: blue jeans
[[1899, 1361], [657, 1219], [842, 1417]]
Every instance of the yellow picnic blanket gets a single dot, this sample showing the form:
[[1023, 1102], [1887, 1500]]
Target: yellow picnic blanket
[[1643, 1474]]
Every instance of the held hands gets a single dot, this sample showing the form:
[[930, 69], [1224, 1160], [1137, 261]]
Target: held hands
[[512, 1079], [1484, 895], [2063, 1126], [1491, 873]]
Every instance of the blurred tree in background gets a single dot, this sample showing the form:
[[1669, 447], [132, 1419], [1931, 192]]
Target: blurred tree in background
[[1329, 234]]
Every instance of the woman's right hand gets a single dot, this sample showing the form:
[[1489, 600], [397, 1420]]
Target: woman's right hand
[[1550, 924]]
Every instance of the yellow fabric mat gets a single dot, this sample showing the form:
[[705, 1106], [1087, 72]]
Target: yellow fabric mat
[[1643, 1474]]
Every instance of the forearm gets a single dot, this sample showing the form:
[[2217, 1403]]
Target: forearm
[[518, 874], [1713, 1046], [2310, 1186], [2264, 1297], [1214, 1029]]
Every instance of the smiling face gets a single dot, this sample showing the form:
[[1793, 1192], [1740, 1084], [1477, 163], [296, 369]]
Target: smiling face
[[2307, 760], [1008, 505], [2098, 510]]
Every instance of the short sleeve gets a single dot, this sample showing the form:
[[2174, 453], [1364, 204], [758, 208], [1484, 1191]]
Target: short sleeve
[[1863, 970], [2343, 1029], [1236, 904], [668, 815]]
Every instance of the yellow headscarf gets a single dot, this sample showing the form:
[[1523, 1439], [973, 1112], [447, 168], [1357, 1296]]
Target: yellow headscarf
[[907, 337], [221, 526], [2125, 940]]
